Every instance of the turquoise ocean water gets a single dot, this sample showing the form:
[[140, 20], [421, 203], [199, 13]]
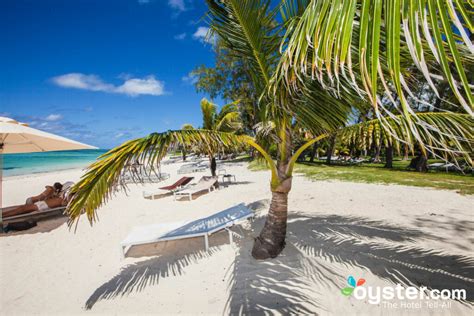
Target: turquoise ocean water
[[21, 164]]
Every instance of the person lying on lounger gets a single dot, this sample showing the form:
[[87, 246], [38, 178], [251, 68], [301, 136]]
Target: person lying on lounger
[[53, 197], [49, 192]]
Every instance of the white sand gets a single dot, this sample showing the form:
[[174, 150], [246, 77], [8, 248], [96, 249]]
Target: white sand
[[384, 234]]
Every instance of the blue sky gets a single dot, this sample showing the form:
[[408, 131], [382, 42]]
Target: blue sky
[[102, 72]]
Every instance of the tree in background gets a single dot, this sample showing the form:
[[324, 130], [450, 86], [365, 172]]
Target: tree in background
[[229, 79], [184, 148], [226, 120]]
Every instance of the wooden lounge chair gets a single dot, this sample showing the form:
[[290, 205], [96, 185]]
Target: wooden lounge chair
[[34, 216], [204, 184], [202, 227], [169, 188]]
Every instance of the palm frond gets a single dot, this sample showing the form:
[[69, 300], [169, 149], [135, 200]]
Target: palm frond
[[290, 9], [187, 126], [444, 134], [228, 119], [338, 40], [209, 112], [247, 29], [229, 122], [320, 111], [230, 107], [101, 179]]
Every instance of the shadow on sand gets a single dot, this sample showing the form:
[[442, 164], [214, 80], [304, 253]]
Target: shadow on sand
[[43, 226], [314, 244]]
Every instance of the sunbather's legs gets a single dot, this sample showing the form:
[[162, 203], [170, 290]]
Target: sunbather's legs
[[21, 209], [28, 208]]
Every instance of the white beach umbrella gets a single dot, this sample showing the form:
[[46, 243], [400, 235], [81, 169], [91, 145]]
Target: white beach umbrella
[[17, 137]]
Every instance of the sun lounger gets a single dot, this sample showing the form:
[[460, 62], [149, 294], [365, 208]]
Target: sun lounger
[[204, 184], [202, 165], [187, 168], [169, 188], [436, 165], [442, 166], [203, 227], [34, 216]]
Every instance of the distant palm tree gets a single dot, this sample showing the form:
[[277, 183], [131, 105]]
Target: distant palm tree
[[226, 120], [184, 148], [318, 64]]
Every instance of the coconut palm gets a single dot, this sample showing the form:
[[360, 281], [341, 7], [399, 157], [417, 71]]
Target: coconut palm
[[226, 120], [184, 149], [298, 83]]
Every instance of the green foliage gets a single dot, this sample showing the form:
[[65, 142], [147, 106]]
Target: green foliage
[[226, 120], [187, 127]]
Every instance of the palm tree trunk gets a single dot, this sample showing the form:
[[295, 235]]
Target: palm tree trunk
[[271, 240], [314, 151], [213, 165], [330, 150], [389, 156], [183, 153], [405, 152], [378, 148]]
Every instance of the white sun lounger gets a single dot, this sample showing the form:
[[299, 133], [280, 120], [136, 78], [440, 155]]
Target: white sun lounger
[[436, 165], [204, 184], [202, 227]]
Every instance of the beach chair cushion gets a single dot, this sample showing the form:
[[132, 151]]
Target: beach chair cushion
[[205, 183], [180, 230], [177, 184]]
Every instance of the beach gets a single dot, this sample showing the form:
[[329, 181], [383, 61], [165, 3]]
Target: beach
[[385, 234]]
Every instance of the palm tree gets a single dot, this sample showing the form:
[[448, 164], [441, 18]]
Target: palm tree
[[309, 69], [184, 149], [226, 120]]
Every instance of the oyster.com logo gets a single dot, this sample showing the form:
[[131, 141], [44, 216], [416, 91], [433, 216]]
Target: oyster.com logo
[[352, 285], [400, 296]]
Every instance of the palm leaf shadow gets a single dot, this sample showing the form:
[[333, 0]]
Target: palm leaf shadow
[[387, 251], [286, 283], [135, 277]]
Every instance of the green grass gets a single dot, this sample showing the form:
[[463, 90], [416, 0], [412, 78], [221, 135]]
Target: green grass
[[375, 173]]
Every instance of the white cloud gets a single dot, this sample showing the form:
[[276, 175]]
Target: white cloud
[[178, 5], [82, 81], [202, 35], [131, 86], [135, 87], [180, 36], [53, 117]]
